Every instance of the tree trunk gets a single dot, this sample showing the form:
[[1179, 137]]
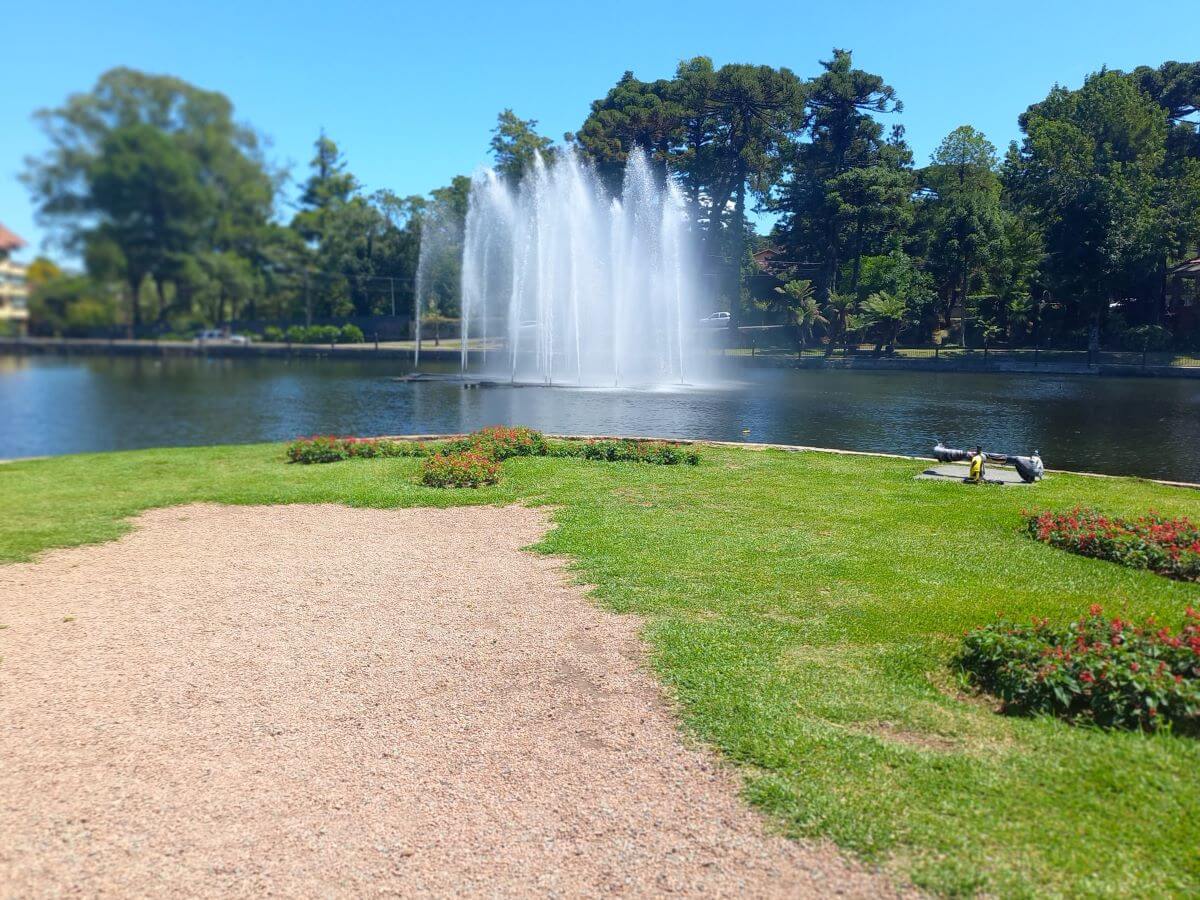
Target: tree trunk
[[162, 301], [135, 312], [739, 250], [857, 255], [307, 303]]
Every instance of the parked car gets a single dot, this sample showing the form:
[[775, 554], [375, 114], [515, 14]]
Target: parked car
[[717, 318], [220, 336]]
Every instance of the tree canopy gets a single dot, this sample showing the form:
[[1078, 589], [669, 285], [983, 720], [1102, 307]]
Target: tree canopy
[[180, 218]]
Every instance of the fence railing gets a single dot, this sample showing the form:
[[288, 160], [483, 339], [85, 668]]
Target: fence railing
[[777, 342]]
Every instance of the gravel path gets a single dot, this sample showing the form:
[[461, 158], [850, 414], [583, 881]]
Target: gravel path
[[318, 700]]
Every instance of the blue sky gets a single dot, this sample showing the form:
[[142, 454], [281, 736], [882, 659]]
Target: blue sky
[[410, 92]]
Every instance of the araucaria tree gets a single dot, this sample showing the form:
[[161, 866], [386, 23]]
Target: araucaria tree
[[846, 187], [1073, 235]]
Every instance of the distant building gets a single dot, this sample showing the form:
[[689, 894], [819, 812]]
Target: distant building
[[14, 291]]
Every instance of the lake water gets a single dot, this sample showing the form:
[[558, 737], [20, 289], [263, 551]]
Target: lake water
[[53, 405]]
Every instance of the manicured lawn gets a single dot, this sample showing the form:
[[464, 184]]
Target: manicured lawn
[[803, 608]]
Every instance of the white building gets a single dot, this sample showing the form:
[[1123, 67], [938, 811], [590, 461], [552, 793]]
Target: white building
[[14, 290]]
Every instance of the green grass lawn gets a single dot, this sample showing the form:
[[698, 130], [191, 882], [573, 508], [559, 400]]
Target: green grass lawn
[[803, 609]]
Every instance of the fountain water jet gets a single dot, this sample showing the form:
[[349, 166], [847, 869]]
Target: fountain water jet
[[563, 283]]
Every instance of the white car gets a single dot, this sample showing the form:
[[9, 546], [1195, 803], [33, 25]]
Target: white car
[[217, 336], [717, 318]]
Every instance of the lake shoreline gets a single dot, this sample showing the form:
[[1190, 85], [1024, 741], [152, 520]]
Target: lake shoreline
[[403, 350]]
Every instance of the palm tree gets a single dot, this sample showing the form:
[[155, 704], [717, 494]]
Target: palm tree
[[840, 310], [798, 299], [888, 315]]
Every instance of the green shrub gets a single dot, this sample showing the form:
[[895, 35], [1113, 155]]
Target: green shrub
[[661, 453], [1104, 671], [295, 334], [330, 448], [466, 469], [273, 333], [351, 334], [1170, 547], [1146, 337]]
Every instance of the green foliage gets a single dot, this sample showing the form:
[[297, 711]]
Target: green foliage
[[1146, 337], [363, 250], [797, 301], [169, 201], [273, 333], [959, 215], [145, 172], [1107, 672], [516, 144], [1088, 173], [846, 189], [330, 448], [887, 315], [466, 469], [721, 131], [659, 453], [350, 334]]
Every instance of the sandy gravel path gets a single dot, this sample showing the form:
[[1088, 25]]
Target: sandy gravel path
[[324, 701]]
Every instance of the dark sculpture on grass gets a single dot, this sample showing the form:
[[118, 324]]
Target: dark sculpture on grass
[[1030, 468]]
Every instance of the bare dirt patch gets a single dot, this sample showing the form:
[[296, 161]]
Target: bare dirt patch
[[318, 700]]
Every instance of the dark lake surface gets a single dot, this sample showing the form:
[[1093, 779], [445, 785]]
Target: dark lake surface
[[1133, 426]]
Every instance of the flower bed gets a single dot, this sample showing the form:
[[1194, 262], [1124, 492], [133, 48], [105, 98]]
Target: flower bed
[[1112, 673], [1170, 547], [463, 469], [662, 453], [500, 443], [330, 448], [458, 462]]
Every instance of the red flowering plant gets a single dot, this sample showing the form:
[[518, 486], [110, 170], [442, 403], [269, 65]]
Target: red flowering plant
[[331, 448], [465, 469], [500, 442], [1170, 547], [1107, 671]]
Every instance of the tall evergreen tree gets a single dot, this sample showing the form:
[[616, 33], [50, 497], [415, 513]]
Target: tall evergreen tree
[[846, 188], [959, 214]]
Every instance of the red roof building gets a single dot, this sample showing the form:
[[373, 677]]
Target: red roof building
[[9, 241]]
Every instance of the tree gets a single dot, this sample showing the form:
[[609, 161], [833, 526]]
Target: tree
[[839, 311], [887, 314], [633, 114], [144, 170], [846, 189], [329, 188], [41, 271], [719, 132], [960, 214], [753, 110], [1087, 172], [360, 253], [516, 143], [900, 275], [797, 301]]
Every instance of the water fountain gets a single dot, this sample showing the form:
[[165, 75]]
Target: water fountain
[[563, 283]]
